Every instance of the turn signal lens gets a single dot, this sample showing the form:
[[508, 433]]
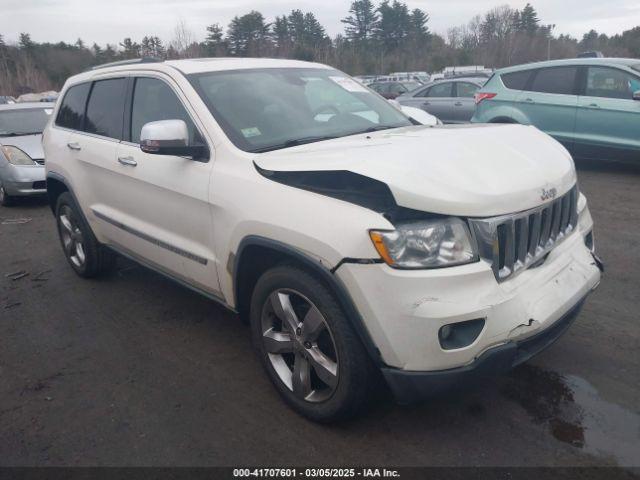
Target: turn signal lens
[[378, 242]]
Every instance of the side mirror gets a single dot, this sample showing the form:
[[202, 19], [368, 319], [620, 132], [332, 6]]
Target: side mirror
[[169, 137], [636, 95]]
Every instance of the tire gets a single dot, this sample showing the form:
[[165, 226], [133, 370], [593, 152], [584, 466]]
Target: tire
[[5, 199], [85, 254], [503, 120], [310, 350]]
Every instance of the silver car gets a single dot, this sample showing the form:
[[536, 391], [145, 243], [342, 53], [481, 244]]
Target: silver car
[[21, 156], [450, 100]]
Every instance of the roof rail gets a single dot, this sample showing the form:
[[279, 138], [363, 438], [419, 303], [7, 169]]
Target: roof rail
[[127, 62]]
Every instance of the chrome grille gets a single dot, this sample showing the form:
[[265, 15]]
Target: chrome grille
[[513, 243]]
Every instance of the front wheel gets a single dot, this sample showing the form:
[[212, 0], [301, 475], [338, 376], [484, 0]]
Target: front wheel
[[5, 199], [307, 345]]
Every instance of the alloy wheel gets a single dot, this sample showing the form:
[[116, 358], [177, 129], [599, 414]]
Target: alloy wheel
[[300, 345], [72, 238]]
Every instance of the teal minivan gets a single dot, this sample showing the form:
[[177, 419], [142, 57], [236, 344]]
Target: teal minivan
[[590, 105]]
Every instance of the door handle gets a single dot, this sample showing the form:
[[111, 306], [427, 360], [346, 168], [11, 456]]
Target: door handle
[[529, 100], [74, 146], [458, 104], [129, 161], [594, 105], [425, 104]]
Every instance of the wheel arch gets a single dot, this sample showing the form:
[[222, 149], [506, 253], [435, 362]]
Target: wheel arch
[[503, 119], [507, 114], [56, 186], [256, 254]]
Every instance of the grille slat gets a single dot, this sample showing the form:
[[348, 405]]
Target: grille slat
[[566, 212], [513, 243], [523, 239], [510, 247], [573, 216], [535, 220], [556, 216]]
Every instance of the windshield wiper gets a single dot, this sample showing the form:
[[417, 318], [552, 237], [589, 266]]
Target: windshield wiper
[[301, 141], [377, 128], [293, 143]]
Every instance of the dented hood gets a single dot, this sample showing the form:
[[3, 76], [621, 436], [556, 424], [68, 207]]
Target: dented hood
[[470, 170]]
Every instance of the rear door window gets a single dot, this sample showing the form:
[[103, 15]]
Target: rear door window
[[105, 109], [441, 90], [422, 93], [71, 113], [516, 80], [466, 89], [559, 80]]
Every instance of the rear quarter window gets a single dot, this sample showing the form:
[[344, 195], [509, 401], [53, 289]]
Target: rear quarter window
[[516, 80], [71, 113], [558, 80]]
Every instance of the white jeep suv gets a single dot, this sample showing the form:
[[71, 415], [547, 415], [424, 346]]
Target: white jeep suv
[[354, 241]]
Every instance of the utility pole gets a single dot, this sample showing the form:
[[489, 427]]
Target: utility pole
[[551, 27]]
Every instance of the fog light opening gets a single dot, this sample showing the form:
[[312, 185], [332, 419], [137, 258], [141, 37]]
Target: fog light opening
[[588, 241], [460, 334]]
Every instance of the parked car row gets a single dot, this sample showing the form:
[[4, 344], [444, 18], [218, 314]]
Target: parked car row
[[452, 101], [21, 155], [392, 90], [590, 105]]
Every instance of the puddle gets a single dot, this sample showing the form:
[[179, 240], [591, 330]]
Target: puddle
[[575, 414]]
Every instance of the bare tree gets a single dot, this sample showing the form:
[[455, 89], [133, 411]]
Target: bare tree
[[183, 40]]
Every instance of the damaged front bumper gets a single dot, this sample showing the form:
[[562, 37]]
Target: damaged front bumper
[[404, 312], [410, 386]]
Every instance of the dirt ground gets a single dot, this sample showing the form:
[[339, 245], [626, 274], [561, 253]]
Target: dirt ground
[[133, 369]]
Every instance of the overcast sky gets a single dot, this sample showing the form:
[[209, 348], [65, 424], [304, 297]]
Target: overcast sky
[[108, 21]]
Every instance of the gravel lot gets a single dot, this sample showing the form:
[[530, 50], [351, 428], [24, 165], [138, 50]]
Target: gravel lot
[[135, 370]]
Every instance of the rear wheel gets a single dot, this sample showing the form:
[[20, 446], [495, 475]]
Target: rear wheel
[[309, 349], [83, 252]]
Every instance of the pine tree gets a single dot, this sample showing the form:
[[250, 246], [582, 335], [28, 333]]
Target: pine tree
[[361, 22], [214, 42], [130, 49], [248, 34], [529, 21], [25, 42], [282, 34], [393, 25]]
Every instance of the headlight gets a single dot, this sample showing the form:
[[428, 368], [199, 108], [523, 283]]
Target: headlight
[[16, 156], [427, 244]]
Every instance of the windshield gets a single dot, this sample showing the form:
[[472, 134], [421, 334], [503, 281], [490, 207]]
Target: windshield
[[268, 109], [411, 85], [24, 121]]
